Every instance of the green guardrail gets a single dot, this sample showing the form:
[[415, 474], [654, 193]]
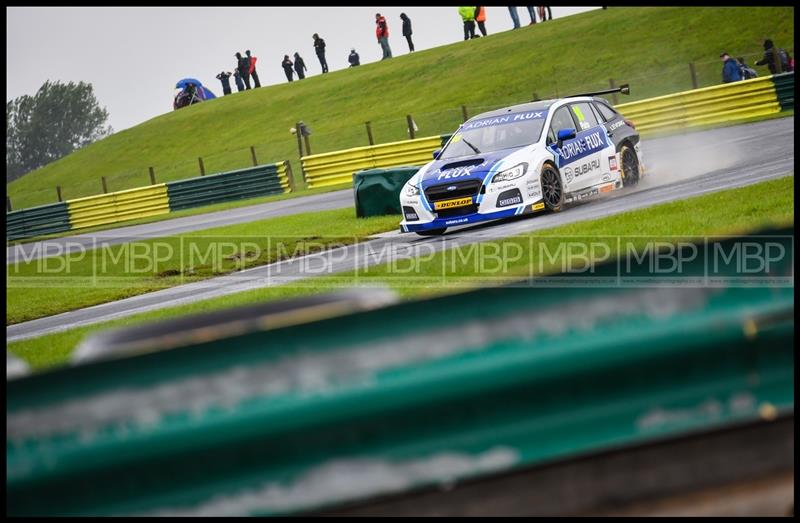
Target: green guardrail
[[280, 416], [233, 185], [784, 89], [377, 191], [35, 221]]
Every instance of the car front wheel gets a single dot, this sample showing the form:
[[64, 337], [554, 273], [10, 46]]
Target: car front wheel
[[552, 190]]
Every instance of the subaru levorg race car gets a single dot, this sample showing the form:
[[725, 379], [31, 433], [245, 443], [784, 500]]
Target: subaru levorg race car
[[523, 159]]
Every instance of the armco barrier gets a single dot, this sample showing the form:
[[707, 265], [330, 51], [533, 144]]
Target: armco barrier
[[227, 186], [152, 200], [720, 103], [275, 414], [337, 168], [118, 206], [36, 221]]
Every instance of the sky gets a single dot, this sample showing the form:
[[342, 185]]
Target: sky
[[134, 55]]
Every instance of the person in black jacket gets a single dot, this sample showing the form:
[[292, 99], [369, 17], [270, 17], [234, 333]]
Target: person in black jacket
[[407, 31], [769, 60], [299, 66], [238, 78], [243, 65], [353, 58], [287, 67], [226, 82], [319, 48]]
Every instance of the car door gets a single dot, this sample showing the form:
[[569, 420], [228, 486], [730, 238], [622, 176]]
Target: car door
[[577, 158], [590, 166]]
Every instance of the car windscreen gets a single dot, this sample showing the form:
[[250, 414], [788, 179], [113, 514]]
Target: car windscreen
[[495, 133]]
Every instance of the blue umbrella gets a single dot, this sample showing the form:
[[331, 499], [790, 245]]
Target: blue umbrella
[[207, 94], [182, 83]]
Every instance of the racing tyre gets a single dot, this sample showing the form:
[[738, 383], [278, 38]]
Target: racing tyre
[[552, 190], [630, 166], [432, 232]]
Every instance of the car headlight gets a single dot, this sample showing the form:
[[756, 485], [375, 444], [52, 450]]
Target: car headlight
[[511, 174], [411, 190]]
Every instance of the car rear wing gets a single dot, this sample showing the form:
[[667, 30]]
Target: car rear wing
[[624, 89]]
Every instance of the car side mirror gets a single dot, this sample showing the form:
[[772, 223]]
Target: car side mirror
[[436, 154], [566, 134]]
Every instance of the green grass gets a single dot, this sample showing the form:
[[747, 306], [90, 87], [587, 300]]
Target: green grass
[[730, 212], [646, 47], [58, 284]]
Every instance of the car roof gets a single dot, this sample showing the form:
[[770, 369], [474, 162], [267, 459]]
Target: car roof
[[530, 106]]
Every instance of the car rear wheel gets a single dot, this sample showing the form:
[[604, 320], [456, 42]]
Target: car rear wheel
[[630, 166], [432, 232], [552, 190]]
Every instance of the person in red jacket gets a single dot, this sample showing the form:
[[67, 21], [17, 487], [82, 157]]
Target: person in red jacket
[[382, 32], [253, 72], [480, 18]]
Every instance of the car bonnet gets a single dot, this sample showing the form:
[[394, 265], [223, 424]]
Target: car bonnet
[[476, 167]]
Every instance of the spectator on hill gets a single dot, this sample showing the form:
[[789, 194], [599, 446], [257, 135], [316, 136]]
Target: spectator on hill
[[747, 72], [252, 69], [299, 66], [226, 82], [514, 16], [353, 58], [786, 63], [243, 65], [730, 69], [238, 78], [480, 18], [542, 10], [319, 48], [468, 17], [287, 67], [532, 13], [407, 31], [382, 32]]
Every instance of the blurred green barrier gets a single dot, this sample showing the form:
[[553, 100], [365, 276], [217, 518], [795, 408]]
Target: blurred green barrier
[[710, 105], [35, 221], [377, 191], [279, 416], [337, 168], [232, 185]]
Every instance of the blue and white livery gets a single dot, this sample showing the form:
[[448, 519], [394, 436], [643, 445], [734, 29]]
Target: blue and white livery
[[520, 160]]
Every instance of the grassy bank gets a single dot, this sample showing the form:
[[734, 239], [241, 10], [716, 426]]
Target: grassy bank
[[576, 53]]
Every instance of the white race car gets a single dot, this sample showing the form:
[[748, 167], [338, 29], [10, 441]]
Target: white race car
[[523, 159]]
